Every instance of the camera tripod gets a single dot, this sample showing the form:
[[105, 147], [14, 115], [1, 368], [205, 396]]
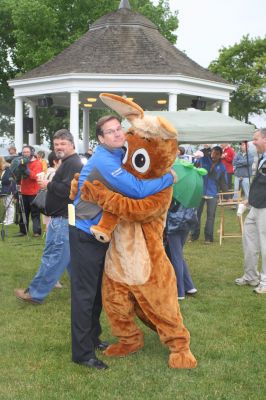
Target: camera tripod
[[20, 210]]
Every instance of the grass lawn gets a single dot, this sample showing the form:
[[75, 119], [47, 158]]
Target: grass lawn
[[226, 322]]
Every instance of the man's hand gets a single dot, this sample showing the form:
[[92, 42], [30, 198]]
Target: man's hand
[[42, 183], [174, 175]]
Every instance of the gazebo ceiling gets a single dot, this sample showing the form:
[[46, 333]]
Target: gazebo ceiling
[[148, 101]]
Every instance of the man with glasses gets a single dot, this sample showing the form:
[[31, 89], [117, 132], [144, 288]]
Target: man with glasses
[[88, 254]]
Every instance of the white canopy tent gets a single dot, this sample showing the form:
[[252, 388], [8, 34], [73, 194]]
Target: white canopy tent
[[196, 126]]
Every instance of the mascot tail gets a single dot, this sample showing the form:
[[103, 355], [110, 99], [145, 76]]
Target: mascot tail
[[140, 314]]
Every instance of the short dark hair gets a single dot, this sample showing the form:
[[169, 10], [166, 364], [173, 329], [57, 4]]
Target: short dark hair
[[41, 153], [102, 121], [32, 149], [51, 158], [64, 134], [218, 149], [182, 150]]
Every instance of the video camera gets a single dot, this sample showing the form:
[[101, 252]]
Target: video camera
[[19, 168]]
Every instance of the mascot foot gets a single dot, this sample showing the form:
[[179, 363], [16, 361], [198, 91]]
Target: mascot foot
[[122, 349], [100, 234], [184, 359]]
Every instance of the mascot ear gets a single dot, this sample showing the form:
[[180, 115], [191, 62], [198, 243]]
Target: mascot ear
[[124, 107]]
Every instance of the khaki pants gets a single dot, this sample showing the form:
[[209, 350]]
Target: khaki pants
[[254, 244]]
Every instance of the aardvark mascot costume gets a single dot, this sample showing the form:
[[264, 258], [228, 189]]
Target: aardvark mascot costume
[[138, 277]]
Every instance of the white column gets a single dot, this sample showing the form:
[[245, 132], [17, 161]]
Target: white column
[[32, 114], [172, 104], [19, 123], [225, 107], [86, 133], [74, 117]]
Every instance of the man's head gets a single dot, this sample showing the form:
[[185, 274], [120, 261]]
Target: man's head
[[259, 140], [216, 154], [63, 144], [28, 152], [12, 150], [243, 146], [110, 132], [224, 145]]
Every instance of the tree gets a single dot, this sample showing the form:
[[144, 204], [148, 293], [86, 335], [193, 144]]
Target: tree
[[244, 65], [34, 31]]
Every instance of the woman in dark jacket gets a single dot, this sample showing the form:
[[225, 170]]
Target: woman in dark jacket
[[7, 189], [178, 224]]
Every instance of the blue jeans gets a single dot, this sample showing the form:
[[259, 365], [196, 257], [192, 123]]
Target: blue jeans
[[244, 183], [55, 259], [176, 243], [209, 225]]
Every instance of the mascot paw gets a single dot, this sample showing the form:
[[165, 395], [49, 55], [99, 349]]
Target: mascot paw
[[74, 186], [122, 349], [184, 359], [100, 234]]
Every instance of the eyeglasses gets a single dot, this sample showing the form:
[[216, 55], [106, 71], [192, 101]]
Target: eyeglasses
[[113, 131]]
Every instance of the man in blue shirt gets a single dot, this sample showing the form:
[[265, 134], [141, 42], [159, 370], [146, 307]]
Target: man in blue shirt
[[88, 254], [214, 181]]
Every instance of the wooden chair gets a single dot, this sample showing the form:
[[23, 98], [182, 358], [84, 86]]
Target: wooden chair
[[224, 201]]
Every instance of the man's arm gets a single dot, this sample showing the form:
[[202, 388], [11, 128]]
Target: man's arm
[[124, 182], [131, 210]]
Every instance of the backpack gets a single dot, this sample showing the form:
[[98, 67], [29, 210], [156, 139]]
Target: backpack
[[179, 217]]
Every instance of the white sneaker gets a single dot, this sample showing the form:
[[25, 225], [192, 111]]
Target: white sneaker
[[260, 289], [192, 291], [243, 281], [181, 298], [58, 285]]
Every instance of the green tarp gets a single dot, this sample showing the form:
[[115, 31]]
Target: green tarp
[[196, 126]]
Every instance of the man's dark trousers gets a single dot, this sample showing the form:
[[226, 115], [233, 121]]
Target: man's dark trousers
[[87, 263]]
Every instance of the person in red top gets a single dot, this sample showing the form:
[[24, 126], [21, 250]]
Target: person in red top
[[29, 188], [227, 159]]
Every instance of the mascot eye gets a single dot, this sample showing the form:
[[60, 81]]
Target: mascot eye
[[141, 160], [125, 148]]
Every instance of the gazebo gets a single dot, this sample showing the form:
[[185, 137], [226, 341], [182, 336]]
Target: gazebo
[[123, 53]]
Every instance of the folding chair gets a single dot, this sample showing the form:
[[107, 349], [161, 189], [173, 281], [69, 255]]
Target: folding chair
[[229, 200]]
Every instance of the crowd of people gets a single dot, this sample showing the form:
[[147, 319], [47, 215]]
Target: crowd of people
[[74, 248]]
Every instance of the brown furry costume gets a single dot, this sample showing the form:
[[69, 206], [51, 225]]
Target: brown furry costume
[[137, 269]]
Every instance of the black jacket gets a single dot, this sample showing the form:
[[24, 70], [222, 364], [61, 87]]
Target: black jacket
[[257, 192], [8, 185], [57, 199]]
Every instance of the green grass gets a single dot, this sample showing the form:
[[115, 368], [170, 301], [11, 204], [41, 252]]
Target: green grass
[[226, 322]]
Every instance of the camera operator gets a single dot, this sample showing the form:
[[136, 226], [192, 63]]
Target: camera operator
[[7, 190], [28, 168]]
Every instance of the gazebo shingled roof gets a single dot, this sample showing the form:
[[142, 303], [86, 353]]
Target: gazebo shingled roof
[[122, 42]]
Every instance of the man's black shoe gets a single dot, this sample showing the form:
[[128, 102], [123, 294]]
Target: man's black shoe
[[102, 346], [19, 234], [93, 363]]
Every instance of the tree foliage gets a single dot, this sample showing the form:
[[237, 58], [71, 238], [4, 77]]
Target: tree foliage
[[34, 31], [244, 65]]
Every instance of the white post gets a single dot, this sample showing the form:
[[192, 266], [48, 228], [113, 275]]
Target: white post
[[172, 104], [225, 107], [74, 118], [86, 119], [19, 123], [32, 114]]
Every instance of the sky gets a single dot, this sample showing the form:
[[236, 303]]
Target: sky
[[205, 26]]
